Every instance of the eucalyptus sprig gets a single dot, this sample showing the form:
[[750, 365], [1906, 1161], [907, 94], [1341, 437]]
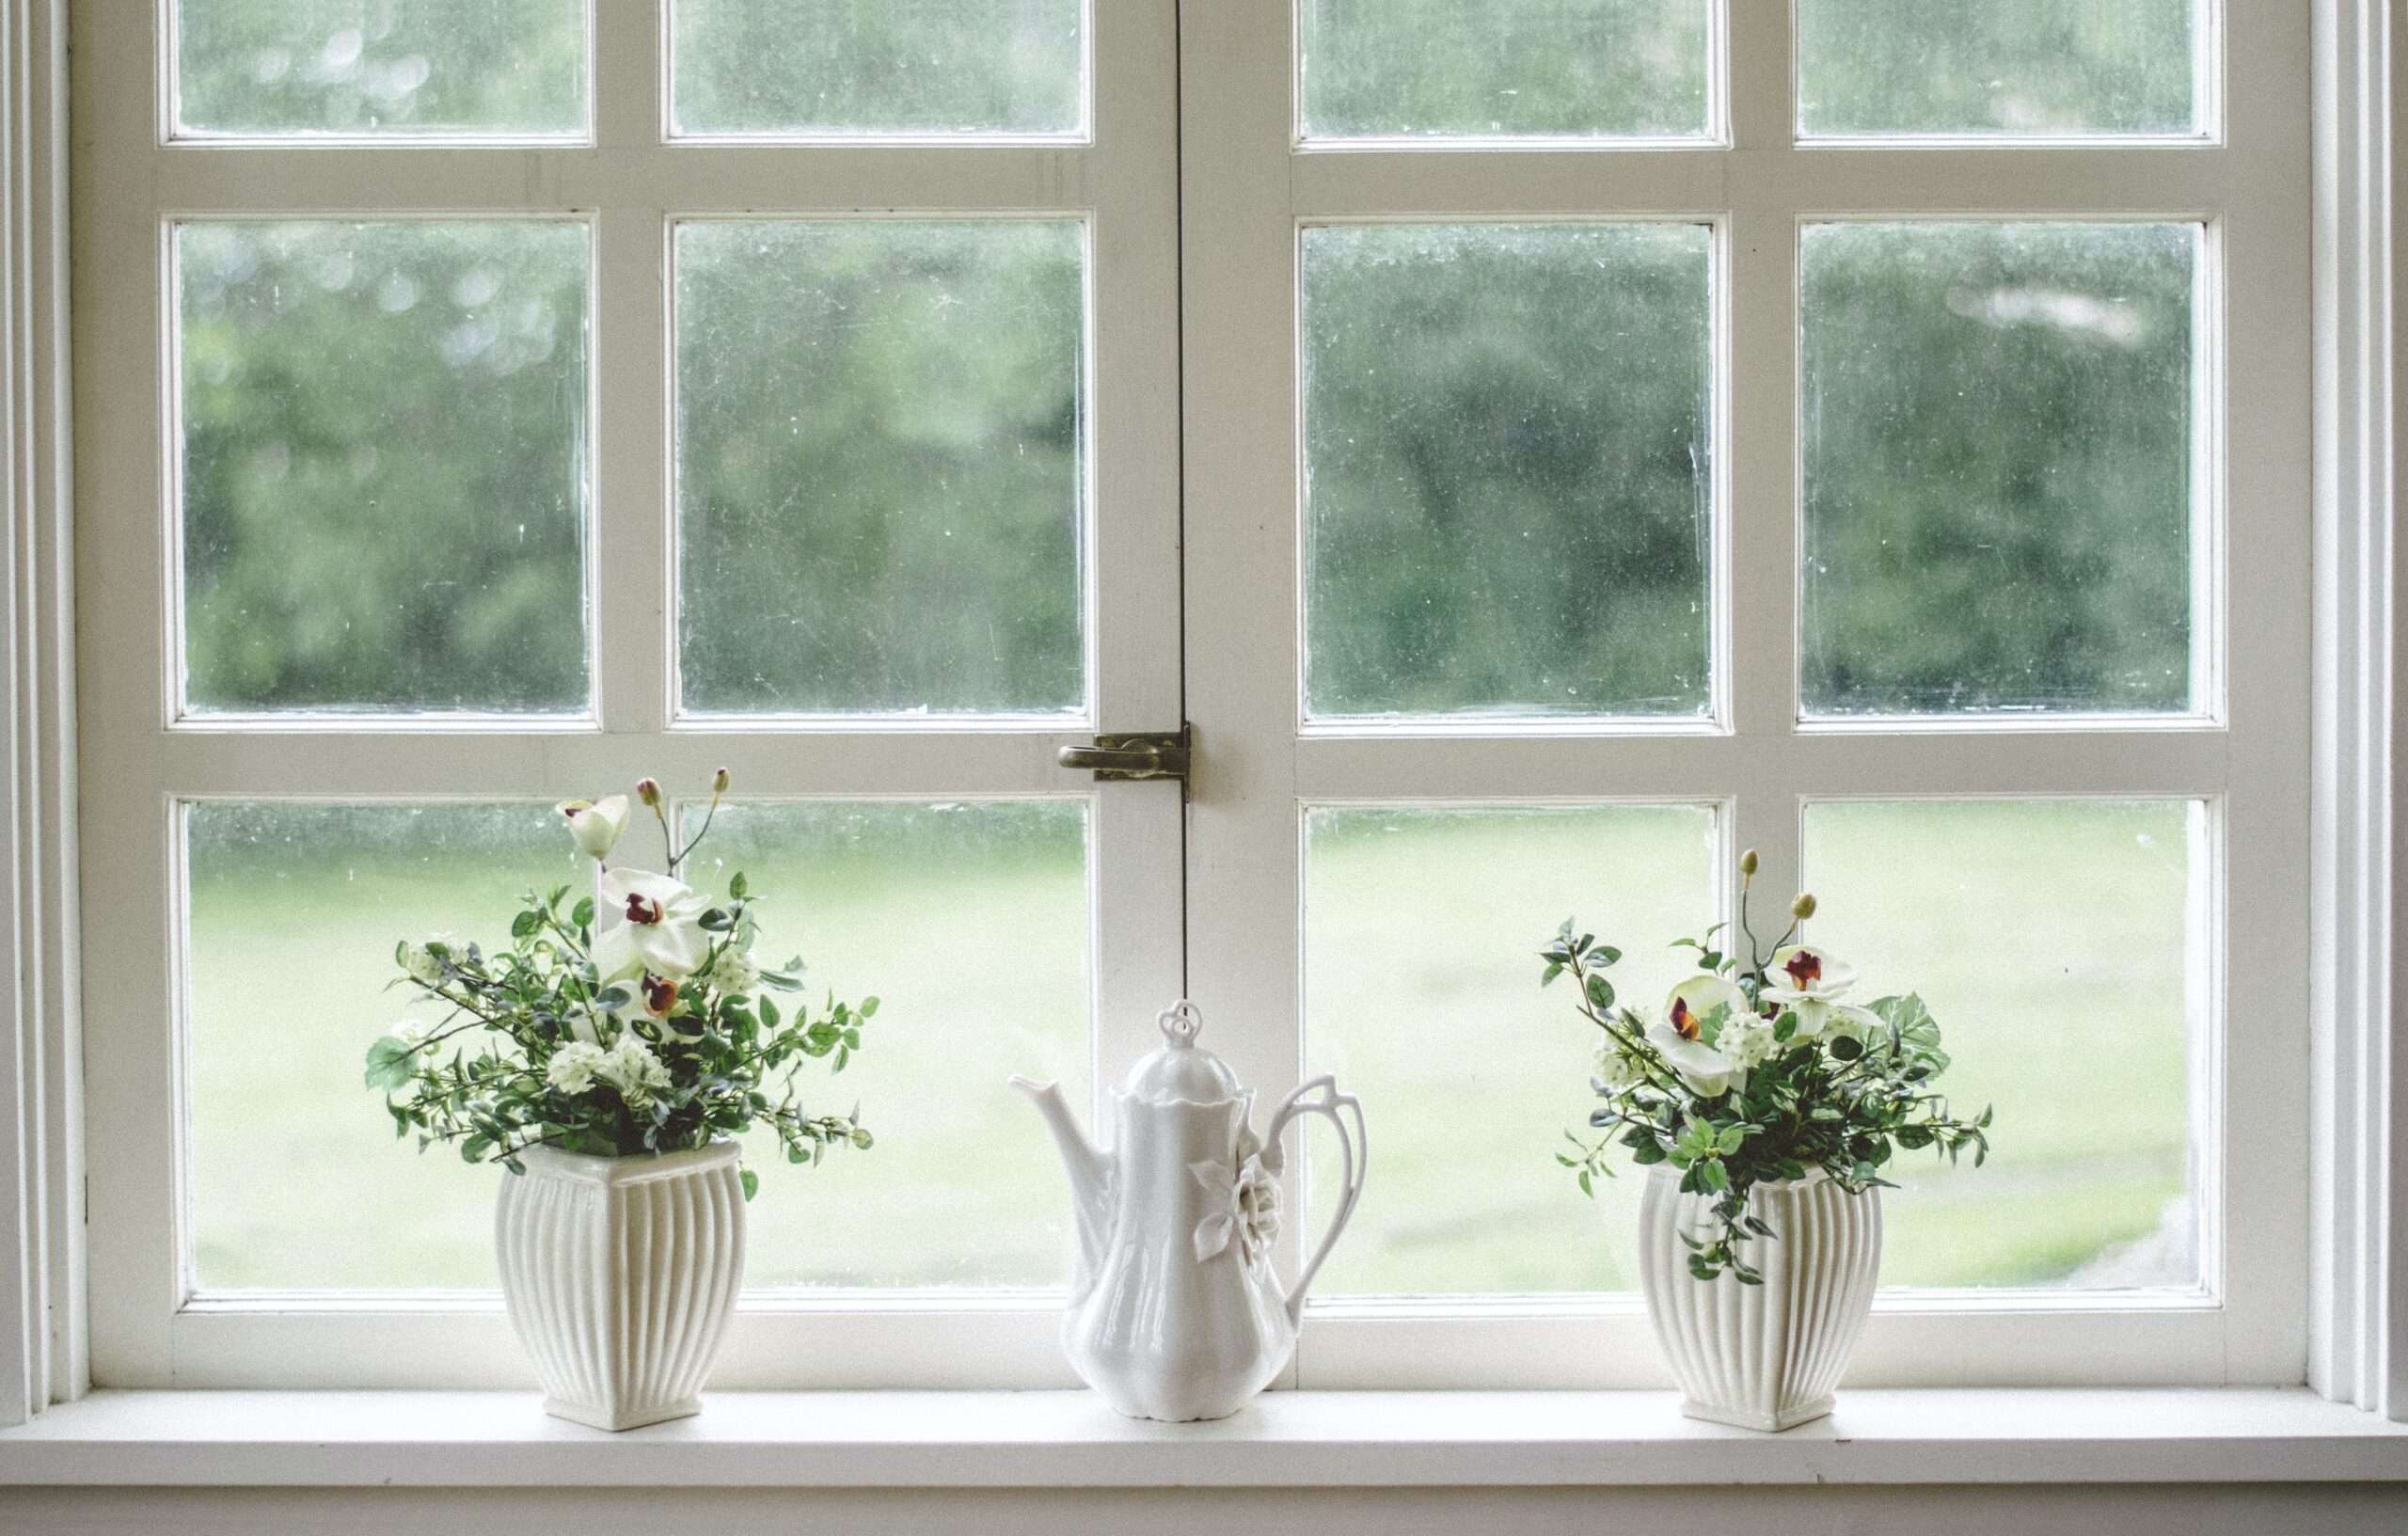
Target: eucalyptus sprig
[[1757, 1070], [632, 1019]]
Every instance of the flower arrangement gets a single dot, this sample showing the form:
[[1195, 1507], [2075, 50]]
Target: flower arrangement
[[1758, 1069], [634, 1020]]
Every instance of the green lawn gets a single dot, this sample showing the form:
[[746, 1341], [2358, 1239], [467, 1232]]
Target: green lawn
[[2049, 939]]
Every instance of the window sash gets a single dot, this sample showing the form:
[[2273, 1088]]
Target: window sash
[[1246, 190], [1250, 186]]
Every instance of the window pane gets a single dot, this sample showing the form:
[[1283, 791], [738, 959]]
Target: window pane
[[970, 922], [1997, 424], [294, 912], [1544, 68], [880, 67], [2031, 68], [297, 1181], [1508, 488], [384, 487], [2060, 945], [880, 443], [381, 67], [1430, 1011]]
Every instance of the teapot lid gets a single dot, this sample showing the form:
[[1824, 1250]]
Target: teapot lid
[[1181, 1069]]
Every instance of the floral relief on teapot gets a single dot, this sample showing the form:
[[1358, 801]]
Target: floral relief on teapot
[[1176, 1311]]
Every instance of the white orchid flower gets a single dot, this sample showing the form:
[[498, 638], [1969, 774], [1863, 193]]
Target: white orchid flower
[[1706, 1070], [1810, 983], [596, 824], [1694, 1001], [649, 923]]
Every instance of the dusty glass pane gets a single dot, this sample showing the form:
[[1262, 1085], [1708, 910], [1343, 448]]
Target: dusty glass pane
[[1997, 443], [296, 1179], [2031, 68], [1382, 69], [384, 464], [879, 67], [380, 67], [1508, 492], [879, 478], [1429, 1009], [2060, 944], [294, 912], [970, 922]]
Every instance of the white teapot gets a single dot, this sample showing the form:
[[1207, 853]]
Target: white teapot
[[1175, 1312]]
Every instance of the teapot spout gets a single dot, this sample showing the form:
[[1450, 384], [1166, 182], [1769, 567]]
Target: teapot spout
[[1090, 1170]]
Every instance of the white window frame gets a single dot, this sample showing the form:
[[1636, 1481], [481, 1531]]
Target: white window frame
[[629, 182], [2355, 1311], [1251, 185]]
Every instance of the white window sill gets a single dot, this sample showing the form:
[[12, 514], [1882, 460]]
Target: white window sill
[[1289, 1439]]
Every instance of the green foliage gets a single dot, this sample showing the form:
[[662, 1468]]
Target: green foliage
[[1816, 1086], [536, 1048]]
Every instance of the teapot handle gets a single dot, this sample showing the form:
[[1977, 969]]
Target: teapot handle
[[1320, 1096]]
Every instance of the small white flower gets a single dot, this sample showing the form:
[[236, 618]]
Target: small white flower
[[632, 1068], [1749, 1041], [573, 1066], [419, 960], [412, 1032], [596, 824], [1614, 1069], [734, 975]]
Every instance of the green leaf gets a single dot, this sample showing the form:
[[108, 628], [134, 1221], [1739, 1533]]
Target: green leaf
[[1732, 1139], [751, 1181], [582, 915], [526, 923], [869, 1007], [735, 887], [1608, 954], [1601, 991], [392, 1064], [768, 1013]]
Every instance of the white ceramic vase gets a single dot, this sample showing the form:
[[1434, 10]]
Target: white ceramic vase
[[1768, 1357], [621, 1275]]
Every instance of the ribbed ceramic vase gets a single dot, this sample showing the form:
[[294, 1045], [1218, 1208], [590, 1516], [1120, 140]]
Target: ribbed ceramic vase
[[1768, 1357], [620, 1274]]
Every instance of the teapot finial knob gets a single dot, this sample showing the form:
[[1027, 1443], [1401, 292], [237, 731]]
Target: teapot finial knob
[[1180, 1023]]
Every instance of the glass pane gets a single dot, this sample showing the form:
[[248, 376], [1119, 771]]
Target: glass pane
[[1429, 1010], [1997, 424], [1508, 488], [970, 922], [383, 487], [294, 911], [880, 443], [2060, 945], [880, 67], [380, 67], [1383, 68], [2032, 68]]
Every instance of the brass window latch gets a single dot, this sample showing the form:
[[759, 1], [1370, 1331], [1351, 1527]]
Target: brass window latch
[[1119, 758]]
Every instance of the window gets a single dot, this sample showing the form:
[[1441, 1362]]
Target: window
[[1541, 458]]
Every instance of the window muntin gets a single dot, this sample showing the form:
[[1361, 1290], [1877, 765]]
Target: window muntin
[[372, 69]]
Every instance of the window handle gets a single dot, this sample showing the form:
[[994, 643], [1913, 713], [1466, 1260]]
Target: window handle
[[1117, 758]]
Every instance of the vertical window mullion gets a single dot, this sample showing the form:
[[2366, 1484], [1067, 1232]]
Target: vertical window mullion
[[629, 574]]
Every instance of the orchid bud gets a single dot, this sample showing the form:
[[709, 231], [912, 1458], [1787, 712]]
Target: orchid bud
[[648, 791], [1803, 908], [720, 782], [1748, 865]]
